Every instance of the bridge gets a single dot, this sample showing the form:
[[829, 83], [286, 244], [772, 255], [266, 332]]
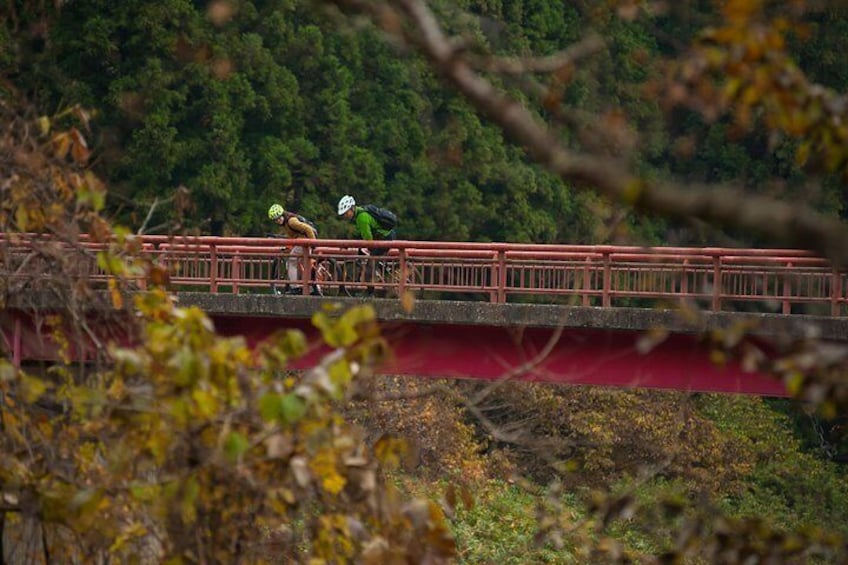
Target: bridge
[[602, 315]]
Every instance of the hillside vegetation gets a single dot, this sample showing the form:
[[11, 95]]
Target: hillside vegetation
[[752, 459], [238, 105]]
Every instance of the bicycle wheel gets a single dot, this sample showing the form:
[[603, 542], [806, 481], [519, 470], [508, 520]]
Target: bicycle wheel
[[330, 275], [323, 276], [277, 275], [395, 278]]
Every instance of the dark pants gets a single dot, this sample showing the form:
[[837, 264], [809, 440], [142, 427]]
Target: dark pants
[[369, 265], [391, 237]]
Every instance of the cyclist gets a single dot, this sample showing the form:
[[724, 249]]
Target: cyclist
[[294, 226], [369, 227], [372, 223]]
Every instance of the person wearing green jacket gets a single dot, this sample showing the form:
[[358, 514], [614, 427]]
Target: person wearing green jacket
[[373, 224]]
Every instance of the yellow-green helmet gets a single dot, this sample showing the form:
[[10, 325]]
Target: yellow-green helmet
[[275, 211]]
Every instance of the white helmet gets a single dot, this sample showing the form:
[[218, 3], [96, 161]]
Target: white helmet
[[346, 203]]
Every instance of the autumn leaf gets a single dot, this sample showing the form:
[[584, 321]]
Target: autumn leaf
[[235, 445], [79, 148], [390, 451], [292, 408], [61, 144], [32, 388], [323, 465], [115, 294]]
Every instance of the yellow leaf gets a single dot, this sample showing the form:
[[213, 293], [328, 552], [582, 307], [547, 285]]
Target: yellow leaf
[[340, 375], [158, 444], [207, 404], [44, 125], [324, 467], [31, 388], [22, 218], [390, 451], [718, 357], [115, 294], [794, 383], [407, 301], [7, 370], [134, 530]]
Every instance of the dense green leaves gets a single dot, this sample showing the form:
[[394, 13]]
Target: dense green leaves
[[274, 102], [244, 104]]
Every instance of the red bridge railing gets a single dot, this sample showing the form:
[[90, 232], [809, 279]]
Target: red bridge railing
[[781, 280]]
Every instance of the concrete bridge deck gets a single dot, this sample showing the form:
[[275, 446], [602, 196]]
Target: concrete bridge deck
[[471, 313]]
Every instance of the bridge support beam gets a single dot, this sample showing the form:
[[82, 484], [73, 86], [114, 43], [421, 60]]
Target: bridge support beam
[[587, 346], [565, 356]]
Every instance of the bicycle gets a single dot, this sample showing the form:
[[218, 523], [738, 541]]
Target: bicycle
[[367, 272], [318, 272], [326, 271]]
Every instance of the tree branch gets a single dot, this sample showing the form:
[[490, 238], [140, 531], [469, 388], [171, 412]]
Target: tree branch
[[785, 223], [548, 64]]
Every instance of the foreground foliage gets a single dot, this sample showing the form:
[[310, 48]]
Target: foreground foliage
[[185, 446]]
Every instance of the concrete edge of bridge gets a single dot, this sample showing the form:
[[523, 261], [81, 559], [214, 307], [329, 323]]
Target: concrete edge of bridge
[[458, 312], [471, 313]]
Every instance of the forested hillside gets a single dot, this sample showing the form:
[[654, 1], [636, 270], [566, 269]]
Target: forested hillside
[[239, 105], [168, 116]]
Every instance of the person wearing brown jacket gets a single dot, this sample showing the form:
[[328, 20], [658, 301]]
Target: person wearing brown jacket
[[297, 227]]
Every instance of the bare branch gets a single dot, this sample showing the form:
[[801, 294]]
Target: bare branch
[[786, 223], [522, 369], [548, 64], [149, 215]]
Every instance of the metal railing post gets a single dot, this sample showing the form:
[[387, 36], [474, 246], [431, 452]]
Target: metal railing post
[[402, 267], [142, 278], [835, 292], [306, 270], [787, 290], [716, 305], [606, 300], [586, 281], [213, 269], [236, 272], [501, 298]]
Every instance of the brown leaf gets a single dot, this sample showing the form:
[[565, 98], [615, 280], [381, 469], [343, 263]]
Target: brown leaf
[[61, 144], [80, 153], [300, 470], [407, 301], [279, 446], [450, 497]]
